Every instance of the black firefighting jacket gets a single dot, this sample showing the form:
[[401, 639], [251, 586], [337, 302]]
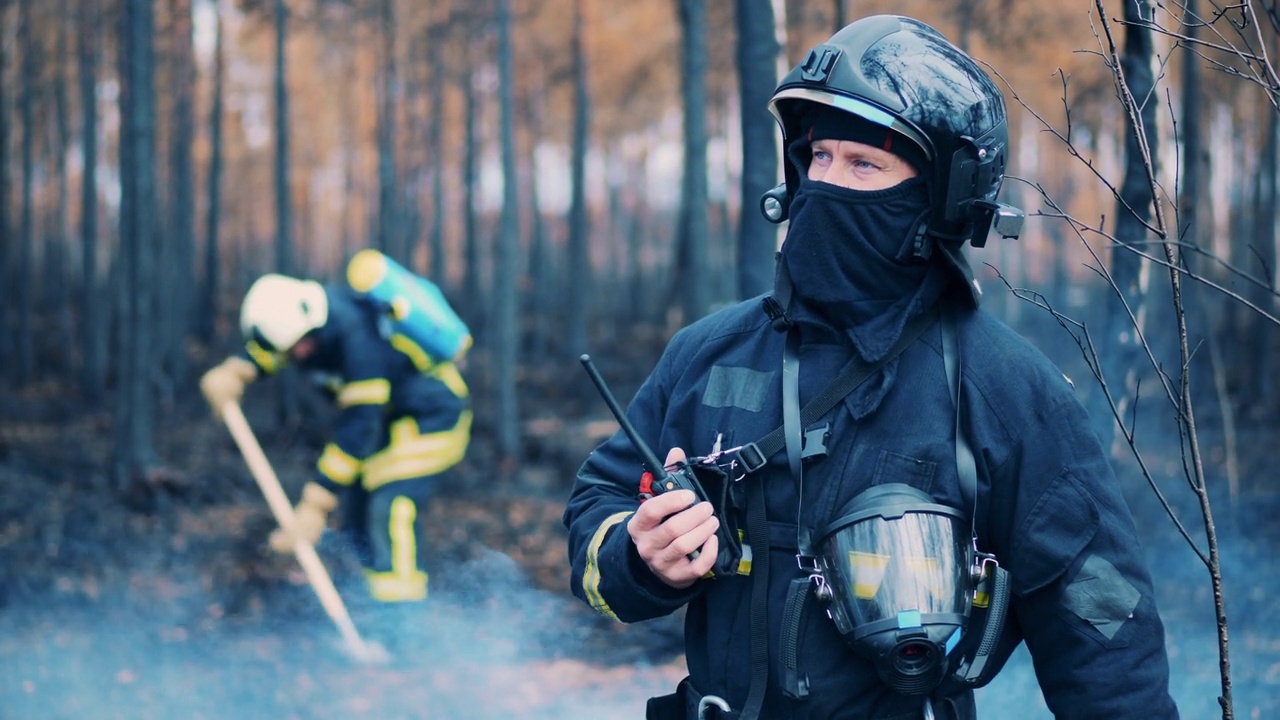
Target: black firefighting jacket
[[1048, 507]]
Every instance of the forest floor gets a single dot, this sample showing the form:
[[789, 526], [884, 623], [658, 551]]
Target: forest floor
[[160, 600]]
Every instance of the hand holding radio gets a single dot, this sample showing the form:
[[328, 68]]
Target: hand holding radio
[[675, 533], [680, 529]]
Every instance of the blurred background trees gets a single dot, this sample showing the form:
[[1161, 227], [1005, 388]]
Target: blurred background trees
[[585, 175], [158, 155]]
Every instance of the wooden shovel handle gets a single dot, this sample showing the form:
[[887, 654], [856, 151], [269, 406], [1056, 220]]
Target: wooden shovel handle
[[314, 569]]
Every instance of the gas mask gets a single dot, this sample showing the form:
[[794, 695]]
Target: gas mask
[[898, 574]]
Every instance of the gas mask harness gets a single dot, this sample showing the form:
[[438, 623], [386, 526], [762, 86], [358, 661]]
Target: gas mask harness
[[900, 573]]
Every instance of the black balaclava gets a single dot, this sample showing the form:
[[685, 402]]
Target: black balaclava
[[848, 253]]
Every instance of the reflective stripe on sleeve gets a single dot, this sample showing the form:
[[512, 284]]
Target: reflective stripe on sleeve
[[591, 575], [338, 465], [365, 392]]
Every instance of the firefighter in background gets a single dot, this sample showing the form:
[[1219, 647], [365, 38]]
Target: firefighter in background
[[405, 416]]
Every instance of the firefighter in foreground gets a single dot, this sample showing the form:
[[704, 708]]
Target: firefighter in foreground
[[876, 552], [383, 344]]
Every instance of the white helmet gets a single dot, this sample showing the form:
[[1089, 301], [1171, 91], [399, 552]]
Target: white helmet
[[279, 310]]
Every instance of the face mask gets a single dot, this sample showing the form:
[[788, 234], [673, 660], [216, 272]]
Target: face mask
[[847, 253], [898, 578]]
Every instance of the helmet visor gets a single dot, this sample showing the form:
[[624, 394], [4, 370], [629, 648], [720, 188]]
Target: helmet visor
[[899, 569], [853, 106]]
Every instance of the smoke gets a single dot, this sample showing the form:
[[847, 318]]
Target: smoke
[[161, 640], [487, 645]]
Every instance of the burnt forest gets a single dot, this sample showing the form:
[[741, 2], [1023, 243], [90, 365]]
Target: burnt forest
[[575, 176]]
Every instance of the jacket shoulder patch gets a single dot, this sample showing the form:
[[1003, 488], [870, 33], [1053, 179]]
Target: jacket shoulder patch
[[1101, 596], [737, 387]]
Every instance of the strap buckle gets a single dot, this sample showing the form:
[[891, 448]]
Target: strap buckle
[[751, 458]]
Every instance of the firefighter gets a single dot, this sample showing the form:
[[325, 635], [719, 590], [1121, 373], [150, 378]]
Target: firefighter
[[960, 444], [404, 420]]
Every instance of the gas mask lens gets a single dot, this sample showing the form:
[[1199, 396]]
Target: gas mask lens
[[898, 568]]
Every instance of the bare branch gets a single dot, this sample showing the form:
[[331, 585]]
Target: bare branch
[[1080, 334]]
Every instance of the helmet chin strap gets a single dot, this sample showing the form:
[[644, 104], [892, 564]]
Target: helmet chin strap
[[920, 244], [778, 305]]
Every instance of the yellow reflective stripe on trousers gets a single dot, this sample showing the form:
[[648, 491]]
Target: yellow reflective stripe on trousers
[[405, 582], [376, 391], [337, 465], [411, 455], [591, 574]]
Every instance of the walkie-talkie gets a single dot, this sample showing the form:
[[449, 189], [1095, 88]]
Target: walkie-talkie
[[663, 480]]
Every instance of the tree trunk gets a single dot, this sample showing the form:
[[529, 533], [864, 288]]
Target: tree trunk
[[506, 335], [288, 408], [92, 317], [8, 281], [388, 225], [1122, 353], [134, 448], [639, 303], [30, 72], [179, 277], [60, 290], [539, 302], [470, 181], [1191, 132], [1258, 250], [579, 280], [757, 52], [212, 259], [691, 275], [435, 144], [284, 246]]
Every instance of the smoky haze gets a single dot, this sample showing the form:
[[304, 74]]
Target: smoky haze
[[111, 613], [488, 645]]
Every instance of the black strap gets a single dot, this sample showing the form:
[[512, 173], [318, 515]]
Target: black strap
[[965, 465], [972, 671], [758, 538], [789, 433], [792, 429], [794, 682], [777, 304], [753, 456]]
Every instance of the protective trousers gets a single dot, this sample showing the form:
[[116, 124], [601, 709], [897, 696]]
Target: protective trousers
[[383, 512]]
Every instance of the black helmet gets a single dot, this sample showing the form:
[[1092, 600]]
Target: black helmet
[[904, 75]]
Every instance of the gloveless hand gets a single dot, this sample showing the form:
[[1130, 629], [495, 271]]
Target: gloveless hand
[[668, 527]]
